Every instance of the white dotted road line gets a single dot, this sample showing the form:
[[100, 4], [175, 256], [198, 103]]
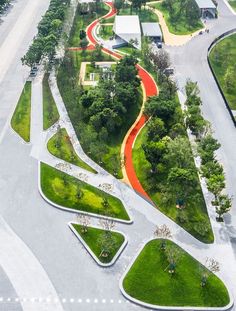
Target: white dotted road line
[[51, 300]]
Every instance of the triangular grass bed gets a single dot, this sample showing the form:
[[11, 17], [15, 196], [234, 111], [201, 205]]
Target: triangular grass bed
[[91, 240], [50, 112], [20, 121], [61, 147], [149, 280], [64, 190]]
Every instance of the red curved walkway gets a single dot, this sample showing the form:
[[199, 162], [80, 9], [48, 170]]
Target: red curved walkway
[[150, 88]]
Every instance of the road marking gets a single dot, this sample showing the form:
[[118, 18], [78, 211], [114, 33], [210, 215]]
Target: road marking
[[51, 300]]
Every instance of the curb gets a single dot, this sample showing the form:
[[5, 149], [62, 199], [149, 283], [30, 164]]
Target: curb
[[71, 210], [168, 308], [218, 39], [95, 258]]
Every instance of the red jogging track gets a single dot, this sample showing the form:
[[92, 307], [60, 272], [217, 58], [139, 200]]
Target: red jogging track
[[150, 88]]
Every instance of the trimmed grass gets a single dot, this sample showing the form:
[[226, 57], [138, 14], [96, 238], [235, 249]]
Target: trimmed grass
[[106, 31], [222, 57], [149, 281], [92, 237], [196, 211], [50, 112], [82, 21], [233, 4], [61, 147], [20, 121], [63, 189], [129, 49], [181, 25]]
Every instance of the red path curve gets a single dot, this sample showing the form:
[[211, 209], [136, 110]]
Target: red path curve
[[150, 89]]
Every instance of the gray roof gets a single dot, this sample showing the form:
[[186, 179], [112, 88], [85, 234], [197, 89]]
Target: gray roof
[[151, 29], [205, 4]]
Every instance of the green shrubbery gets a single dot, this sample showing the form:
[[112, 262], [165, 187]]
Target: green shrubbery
[[3, 4], [49, 31]]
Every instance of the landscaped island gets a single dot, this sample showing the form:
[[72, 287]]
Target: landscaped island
[[69, 192], [102, 243], [222, 59], [171, 277], [60, 146], [50, 112], [20, 121]]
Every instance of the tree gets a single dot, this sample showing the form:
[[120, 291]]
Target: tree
[[163, 232], [107, 224], [82, 34], [215, 184], [156, 129], [223, 205], [126, 71], [161, 108], [206, 148], [211, 168], [229, 78], [84, 221], [182, 183], [192, 12], [160, 60], [107, 243], [118, 4], [173, 255], [211, 266], [84, 43], [179, 153], [154, 152]]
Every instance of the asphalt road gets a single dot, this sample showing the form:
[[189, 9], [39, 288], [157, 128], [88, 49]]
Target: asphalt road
[[78, 281]]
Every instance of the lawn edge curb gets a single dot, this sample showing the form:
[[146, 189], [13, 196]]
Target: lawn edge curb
[[169, 308], [71, 210], [88, 249]]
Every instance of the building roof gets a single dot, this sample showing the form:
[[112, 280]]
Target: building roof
[[151, 30], [205, 4], [126, 24]]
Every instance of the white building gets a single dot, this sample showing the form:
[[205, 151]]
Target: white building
[[152, 31], [127, 28], [207, 8]]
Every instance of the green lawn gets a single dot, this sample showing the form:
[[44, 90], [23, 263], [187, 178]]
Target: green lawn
[[20, 121], [106, 31], [233, 4], [181, 25], [195, 210], [81, 22], [149, 281], [65, 190], [61, 147], [92, 238], [222, 57], [50, 112]]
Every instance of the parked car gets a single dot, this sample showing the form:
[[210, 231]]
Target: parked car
[[34, 68], [33, 73], [169, 71], [159, 44]]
